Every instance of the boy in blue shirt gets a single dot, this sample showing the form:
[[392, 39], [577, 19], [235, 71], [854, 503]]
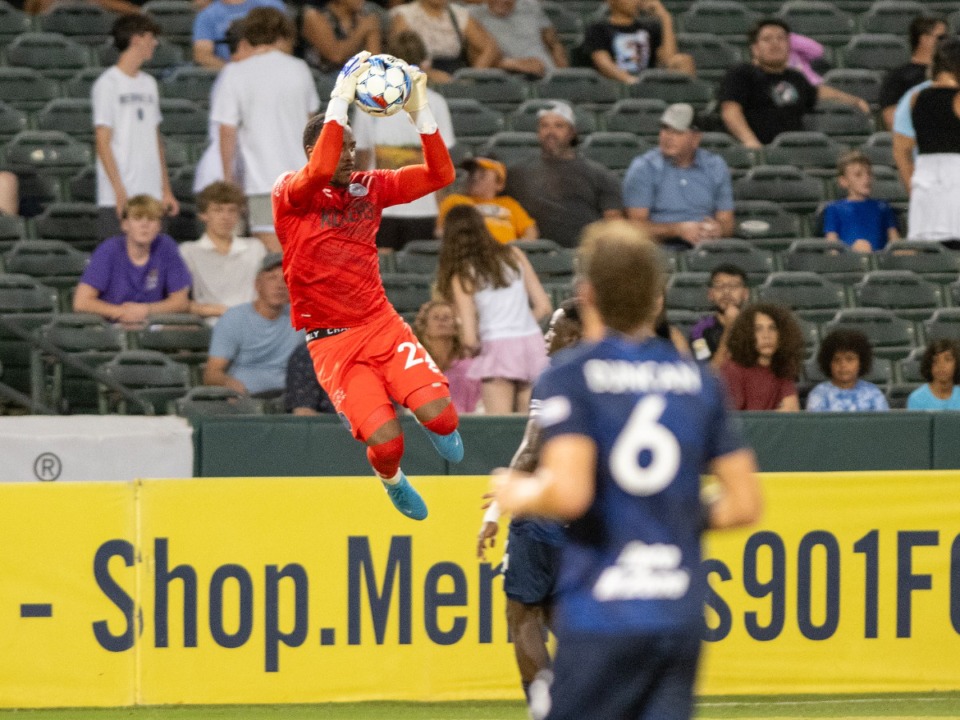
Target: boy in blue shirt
[[859, 221], [629, 426]]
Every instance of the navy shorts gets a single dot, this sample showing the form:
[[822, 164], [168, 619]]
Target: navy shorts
[[530, 568], [624, 677]]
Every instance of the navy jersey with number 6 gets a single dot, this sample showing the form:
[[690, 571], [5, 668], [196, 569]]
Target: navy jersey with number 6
[[631, 563]]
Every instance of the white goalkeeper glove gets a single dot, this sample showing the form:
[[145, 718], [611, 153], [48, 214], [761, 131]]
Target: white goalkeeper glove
[[345, 89], [416, 105]]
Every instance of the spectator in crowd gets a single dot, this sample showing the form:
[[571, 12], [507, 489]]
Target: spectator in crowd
[[638, 34], [940, 367], [562, 191], [392, 142], [436, 328], [728, 292], [766, 97], [337, 31], [527, 39], [859, 221], [252, 342], [246, 108], [137, 273], [304, 394], [9, 193], [925, 31], [804, 53], [210, 48], [500, 302], [845, 356], [935, 186], [223, 266], [126, 119], [766, 349], [453, 40], [210, 166], [505, 217], [680, 192]]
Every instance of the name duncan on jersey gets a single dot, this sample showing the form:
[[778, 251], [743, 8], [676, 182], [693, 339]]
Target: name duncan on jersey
[[622, 376]]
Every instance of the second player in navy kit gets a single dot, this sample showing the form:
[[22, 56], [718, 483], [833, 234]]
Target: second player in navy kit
[[629, 427]]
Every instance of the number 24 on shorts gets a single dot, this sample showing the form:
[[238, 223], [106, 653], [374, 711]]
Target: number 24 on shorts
[[413, 350]]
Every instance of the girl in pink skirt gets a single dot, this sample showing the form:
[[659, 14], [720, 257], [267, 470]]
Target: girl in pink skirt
[[500, 302]]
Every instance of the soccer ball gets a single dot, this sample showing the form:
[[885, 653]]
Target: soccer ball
[[384, 87]]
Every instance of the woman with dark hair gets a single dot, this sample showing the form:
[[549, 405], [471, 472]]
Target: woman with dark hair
[[436, 328], [499, 300], [940, 367], [845, 356], [766, 349]]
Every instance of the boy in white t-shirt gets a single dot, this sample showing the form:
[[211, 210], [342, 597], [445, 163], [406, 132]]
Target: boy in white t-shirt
[[223, 266], [262, 104], [126, 118]]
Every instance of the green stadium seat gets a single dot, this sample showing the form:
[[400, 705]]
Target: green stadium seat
[[185, 225], [13, 23], [189, 83], [844, 123], [493, 87], [813, 152], [184, 120], [79, 21], [473, 122], [688, 291], [738, 158], [712, 54], [833, 260], [728, 19], [891, 336], [881, 372], [808, 294], [551, 262], [613, 150], [73, 116], [80, 85], [418, 256], [38, 191], [12, 121], [755, 262], [765, 224], [212, 400], [876, 52], [76, 223], [82, 187], [21, 294], [822, 21], [786, 185], [184, 338], [175, 17], [857, 81], [47, 151], [879, 148], [13, 228], [944, 323], [578, 85], [931, 260], [165, 58], [27, 89], [511, 147], [566, 22], [52, 54], [52, 263], [152, 376], [890, 17], [902, 291], [407, 291], [683, 320], [672, 87], [181, 182], [640, 116]]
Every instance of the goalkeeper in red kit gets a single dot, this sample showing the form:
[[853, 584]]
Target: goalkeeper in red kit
[[364, 354]]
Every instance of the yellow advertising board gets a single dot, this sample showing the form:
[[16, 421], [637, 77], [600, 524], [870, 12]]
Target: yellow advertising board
[[303, 590]]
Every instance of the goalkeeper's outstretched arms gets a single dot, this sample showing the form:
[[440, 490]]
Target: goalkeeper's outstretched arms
[[437, 170], [323, 152]]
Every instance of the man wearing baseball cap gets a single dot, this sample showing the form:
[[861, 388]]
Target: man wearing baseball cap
[[252, 342], [561, 190], [680, 192], [505, 217]]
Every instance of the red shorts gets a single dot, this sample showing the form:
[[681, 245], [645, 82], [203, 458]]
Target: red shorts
[[365, 367]]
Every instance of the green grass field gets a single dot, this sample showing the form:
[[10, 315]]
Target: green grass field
[[860, 707]]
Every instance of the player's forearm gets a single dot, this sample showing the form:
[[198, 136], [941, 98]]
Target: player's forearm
[[528, 453], [319, 170], [740, 501], [436, 172]]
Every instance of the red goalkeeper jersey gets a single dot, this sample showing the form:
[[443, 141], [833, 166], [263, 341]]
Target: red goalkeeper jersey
[[328, 233]]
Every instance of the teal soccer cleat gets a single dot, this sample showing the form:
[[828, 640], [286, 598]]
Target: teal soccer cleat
[[449, 446], [406, 499]]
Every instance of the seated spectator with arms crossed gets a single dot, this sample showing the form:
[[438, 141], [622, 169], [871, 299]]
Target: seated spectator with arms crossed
[[680, 192], [223, 266], [505, 217], [136, 274], [252, 342]]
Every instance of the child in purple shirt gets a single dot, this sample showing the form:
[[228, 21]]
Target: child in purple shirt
[[136, 274]]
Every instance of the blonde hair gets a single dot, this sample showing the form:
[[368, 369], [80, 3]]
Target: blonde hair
[[143, 206]]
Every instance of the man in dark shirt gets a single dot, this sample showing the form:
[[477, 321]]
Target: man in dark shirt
[[762, 99], [562, 191], [729, 292], [925, 31]]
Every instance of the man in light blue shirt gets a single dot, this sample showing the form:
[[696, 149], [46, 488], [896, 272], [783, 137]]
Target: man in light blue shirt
[[682, 194], [252, 342]]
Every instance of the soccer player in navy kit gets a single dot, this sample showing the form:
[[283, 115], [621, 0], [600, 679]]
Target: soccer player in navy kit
[[629, 427]]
